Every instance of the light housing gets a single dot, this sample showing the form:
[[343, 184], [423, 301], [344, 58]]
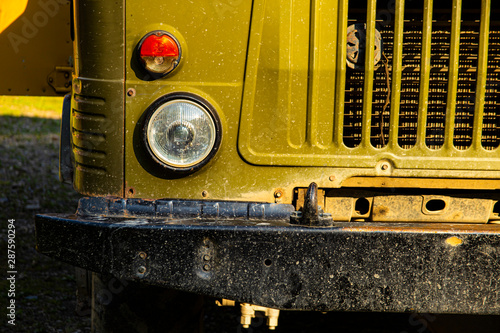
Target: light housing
[[182, 132], [159, 52]]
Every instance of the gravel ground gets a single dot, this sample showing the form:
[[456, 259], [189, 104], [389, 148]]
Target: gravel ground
[[45, 288]]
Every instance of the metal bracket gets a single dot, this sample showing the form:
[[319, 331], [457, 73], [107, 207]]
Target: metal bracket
[[356, 46], [60, 79], [312, 214]]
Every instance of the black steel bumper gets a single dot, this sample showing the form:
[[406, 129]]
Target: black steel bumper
[[438, 268]]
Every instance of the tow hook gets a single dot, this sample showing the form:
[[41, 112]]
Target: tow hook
[[312, 215]]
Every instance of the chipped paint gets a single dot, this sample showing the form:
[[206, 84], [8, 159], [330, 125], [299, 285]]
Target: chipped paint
[[454, 241]]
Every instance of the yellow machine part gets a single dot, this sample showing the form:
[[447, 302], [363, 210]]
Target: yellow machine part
[[10, 11], [35, 39]]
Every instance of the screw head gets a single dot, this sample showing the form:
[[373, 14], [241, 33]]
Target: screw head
[[142, 255], [130, 92], [206, 267], [141, 270], [204, 194], [332, 178]]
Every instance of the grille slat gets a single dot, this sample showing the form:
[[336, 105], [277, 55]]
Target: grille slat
[[340, 84], [453, 73], [425, 72], [369, 72], [482, 74]]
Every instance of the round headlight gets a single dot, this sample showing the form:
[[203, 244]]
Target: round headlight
[[182, 134]]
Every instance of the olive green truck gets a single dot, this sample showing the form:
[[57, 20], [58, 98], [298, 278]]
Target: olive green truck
[[326, 155]]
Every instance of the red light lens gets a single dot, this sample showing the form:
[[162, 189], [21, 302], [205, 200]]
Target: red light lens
[[159, 46], [159, 52]]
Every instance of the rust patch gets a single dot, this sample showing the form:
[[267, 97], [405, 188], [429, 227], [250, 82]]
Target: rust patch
[[381, 211], [130, 192], [454, 241]]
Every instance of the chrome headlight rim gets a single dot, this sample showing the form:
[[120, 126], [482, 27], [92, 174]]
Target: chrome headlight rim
[[195, 100]]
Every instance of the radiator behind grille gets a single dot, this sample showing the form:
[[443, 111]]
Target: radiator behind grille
[[469, 46]]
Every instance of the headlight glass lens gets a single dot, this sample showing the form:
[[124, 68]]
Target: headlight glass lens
[[181, 133]]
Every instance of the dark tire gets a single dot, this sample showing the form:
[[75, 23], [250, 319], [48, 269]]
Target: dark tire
[[128, 307]]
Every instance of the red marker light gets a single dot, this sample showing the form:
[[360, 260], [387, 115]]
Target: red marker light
[[159, 52], [159, 46]]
